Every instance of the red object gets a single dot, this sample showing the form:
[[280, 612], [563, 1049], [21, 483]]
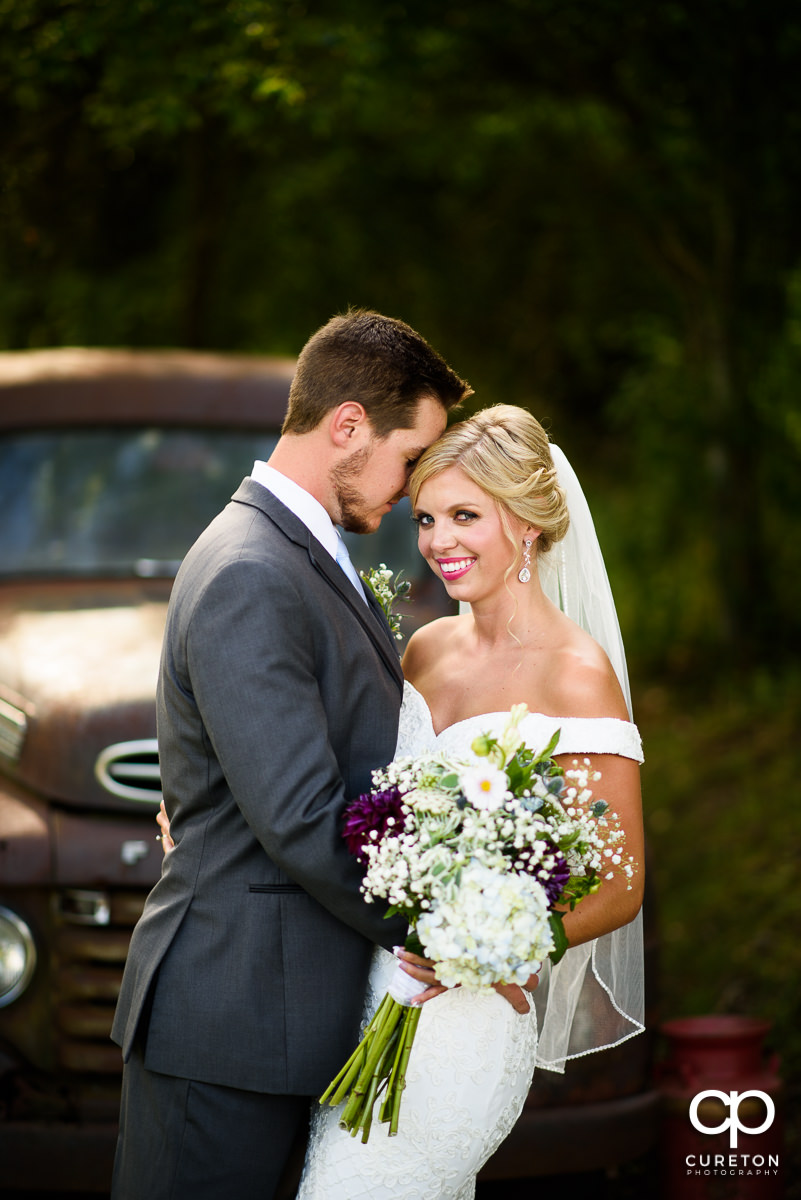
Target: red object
[[729, 1144]]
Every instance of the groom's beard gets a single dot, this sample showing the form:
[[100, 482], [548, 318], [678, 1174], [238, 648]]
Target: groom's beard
[[352, 504]]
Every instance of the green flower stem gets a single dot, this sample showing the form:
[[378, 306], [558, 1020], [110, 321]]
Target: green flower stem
[[336, 1090], [386, 1020], [397, 1081], [345, 1078], [377, 1080], [386, 1107], [380, 1059]]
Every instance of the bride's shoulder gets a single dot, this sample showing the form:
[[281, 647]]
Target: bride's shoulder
[[582, 681], [428, 642]]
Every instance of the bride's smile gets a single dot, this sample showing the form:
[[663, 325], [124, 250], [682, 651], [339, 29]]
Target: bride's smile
[[454, 568]]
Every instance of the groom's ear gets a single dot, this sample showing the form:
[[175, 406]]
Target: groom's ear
[[349, 426]]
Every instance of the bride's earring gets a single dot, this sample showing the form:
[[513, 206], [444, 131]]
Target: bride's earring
[[524, 574]]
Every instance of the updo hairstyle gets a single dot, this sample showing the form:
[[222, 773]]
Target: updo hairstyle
[[504, 451]]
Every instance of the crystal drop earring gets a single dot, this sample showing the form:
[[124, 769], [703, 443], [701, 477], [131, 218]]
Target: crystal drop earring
[[524, 574]]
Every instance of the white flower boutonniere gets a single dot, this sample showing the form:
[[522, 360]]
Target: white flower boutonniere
[[388, 592]]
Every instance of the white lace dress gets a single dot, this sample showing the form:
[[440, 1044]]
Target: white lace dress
[[473, 1056]]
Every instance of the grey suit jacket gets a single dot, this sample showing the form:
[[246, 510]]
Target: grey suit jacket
[[279, 693]]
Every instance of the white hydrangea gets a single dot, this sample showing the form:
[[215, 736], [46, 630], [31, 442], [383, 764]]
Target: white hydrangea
[[492, 928]]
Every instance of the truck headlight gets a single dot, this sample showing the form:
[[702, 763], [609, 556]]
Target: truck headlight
[[17, 956]]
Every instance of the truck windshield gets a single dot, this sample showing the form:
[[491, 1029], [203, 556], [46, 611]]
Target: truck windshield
[[115, 502], [131, 501]]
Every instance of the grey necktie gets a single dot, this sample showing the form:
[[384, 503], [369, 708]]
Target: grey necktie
[[343, 558]]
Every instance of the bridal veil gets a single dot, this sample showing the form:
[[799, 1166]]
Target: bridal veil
[[595, 997]]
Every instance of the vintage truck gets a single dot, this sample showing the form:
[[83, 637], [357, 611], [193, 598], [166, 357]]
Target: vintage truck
[[111, 462]]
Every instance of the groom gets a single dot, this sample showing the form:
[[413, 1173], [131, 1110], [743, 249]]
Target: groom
[[279, 693]]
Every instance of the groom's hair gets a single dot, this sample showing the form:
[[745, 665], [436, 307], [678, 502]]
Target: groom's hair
[[379, 362]]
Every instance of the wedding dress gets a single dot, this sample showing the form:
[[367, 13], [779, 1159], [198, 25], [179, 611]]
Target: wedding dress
[[474, 1056]]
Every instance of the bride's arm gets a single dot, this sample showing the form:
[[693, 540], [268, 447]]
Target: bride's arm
[[619, 899], [583, 684]]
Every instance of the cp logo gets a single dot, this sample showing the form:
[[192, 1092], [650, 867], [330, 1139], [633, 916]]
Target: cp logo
[[732, 1100]]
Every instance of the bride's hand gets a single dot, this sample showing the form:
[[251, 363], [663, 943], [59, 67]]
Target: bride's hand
[[423, 969], [164, 825], [516, 996]]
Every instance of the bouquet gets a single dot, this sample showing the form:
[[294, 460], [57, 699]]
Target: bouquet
[[477, 856]]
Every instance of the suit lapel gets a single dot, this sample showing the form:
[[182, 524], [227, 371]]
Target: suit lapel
[[370, 615]]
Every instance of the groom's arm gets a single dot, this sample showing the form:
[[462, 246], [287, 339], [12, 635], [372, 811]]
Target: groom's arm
[[252, 667]]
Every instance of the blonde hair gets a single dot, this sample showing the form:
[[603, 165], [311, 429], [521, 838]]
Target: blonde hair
[[506, 452]]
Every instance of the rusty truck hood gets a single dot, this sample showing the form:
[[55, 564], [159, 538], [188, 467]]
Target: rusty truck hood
[[78, 671]]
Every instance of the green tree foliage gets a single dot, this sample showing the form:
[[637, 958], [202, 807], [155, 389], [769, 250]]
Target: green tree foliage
[[590, 206]]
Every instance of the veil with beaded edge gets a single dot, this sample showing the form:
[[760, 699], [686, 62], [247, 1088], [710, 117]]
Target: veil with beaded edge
[[595, 997]]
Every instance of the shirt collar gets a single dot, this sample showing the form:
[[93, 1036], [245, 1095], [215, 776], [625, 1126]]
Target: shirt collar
[[300, 502]]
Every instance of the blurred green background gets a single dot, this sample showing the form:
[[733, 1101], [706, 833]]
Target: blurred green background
[[592, 209]]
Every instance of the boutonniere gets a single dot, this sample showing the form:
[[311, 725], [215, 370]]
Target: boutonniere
[[388, 592]]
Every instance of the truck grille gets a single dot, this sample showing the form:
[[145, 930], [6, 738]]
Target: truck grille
[[13, 727], [131, 770], [89, 960]]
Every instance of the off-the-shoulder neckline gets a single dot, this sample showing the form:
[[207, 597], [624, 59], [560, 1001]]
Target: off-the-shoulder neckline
[[503, 713]]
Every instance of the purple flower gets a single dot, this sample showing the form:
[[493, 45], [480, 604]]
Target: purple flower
[[379, 811], [554, 880], [552, 876]]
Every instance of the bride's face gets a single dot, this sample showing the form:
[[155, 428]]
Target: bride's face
[[460, 535]]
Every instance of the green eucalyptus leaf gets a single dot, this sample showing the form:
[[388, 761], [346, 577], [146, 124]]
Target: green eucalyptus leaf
[[559, 936], [552, 744]]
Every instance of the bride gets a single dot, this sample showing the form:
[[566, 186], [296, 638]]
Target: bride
[[503, 522]]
